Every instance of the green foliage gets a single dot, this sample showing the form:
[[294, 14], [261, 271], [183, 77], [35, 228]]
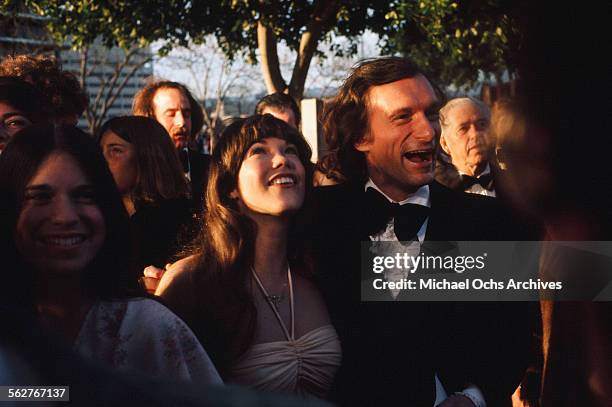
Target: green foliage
[[453, 39], [122, 23], [233, 22]]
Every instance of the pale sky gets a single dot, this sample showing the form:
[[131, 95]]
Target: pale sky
[[241, 79]]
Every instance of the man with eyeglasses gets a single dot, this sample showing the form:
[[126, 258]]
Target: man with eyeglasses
[[20, 106]]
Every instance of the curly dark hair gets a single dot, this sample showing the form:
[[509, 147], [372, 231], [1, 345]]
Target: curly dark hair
[[23, 97], [345, 118], [63, 96]]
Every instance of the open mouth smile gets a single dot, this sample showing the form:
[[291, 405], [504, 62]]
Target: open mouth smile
[[66, 241], [283, 179], [419, 156]]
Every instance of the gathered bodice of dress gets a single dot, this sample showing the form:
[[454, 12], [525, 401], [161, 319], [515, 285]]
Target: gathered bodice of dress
[[305, 366]]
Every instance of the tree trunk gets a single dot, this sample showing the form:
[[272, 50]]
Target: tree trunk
[[266, 42]]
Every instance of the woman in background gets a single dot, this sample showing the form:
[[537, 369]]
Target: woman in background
[[249, 280], [66, 236], [148, 173]]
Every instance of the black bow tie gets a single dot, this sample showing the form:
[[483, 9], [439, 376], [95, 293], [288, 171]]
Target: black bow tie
[[485, 181], [408, 218]]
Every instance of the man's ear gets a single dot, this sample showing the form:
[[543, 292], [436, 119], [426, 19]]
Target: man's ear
[[444, 145], [363, 145]]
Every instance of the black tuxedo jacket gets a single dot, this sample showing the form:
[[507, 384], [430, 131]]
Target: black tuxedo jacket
[[447, 175], [391, 350]]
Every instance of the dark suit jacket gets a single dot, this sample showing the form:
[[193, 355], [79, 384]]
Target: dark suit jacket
[[161, 230], [391, 350], [199, 164], [447, 175]]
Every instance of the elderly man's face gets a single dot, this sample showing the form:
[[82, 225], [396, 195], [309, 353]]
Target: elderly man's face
[[400, 142], [173, 110], [465, 138]]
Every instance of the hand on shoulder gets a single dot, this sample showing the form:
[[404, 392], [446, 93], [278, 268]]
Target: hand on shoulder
[[173, 284], [156, 280], [151, 277], [176, 273]]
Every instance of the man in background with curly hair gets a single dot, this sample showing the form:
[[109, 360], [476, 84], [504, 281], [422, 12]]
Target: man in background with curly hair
[[63, 97]]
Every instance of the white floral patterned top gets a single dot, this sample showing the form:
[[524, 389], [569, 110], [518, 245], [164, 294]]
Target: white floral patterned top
[[143, 335]]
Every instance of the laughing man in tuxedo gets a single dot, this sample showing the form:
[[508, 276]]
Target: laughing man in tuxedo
[[382, 129]]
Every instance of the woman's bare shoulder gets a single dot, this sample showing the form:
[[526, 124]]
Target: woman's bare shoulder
[[176, 285]]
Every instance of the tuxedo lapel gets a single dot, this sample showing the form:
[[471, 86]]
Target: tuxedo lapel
[[440, 219]]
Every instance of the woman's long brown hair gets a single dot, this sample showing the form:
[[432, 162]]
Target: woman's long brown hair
[[225, 318]]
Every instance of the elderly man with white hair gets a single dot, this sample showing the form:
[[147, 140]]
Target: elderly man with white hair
[[466, 159]]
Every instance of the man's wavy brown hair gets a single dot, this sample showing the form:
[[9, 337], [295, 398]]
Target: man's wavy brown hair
[[345, 118]]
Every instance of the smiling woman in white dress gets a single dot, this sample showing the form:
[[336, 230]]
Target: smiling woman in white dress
[[65, 234], [248, 281]]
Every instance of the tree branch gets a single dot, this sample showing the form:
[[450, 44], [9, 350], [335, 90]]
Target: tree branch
[[104, 83], [89, 113], [110, 88], [117, 90]]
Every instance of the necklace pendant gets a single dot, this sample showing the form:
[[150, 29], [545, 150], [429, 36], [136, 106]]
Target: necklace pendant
[[275, 299]]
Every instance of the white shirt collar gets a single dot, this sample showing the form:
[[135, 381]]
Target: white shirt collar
[[420, 197]]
